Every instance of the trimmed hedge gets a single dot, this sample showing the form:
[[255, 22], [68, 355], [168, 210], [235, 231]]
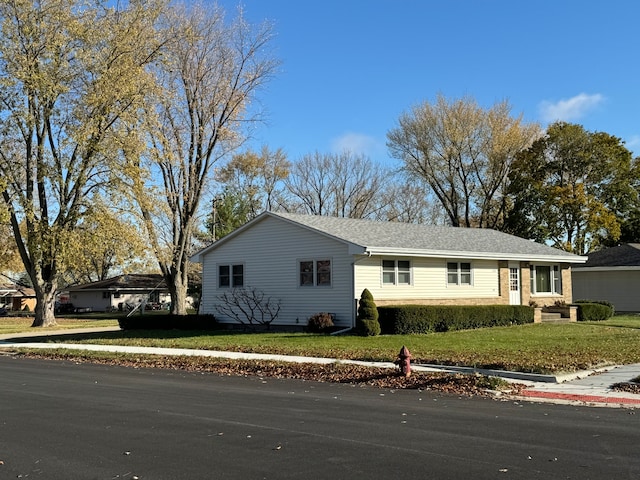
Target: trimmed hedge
[[168, 322], [594, 310], [408, 319]]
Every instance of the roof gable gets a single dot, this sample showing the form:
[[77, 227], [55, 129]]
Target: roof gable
[[626, 255], [387, 238]]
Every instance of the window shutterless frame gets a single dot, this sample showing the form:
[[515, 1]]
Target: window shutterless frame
[[231, 275], [459, 273], [314, 273], [396, 272]]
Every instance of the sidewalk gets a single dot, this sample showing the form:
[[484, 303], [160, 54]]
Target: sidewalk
[[591, 388]]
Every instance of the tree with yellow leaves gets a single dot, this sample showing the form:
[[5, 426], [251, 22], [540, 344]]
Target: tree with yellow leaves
[[73, 76], [464, 153]]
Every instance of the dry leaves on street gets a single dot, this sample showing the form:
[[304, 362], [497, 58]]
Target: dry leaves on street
[[457, 384]]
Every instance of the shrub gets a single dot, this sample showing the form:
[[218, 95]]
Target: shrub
[[594, 310], [168, 322], [369, 328], [320, 322], [248, 307], [408, 319], [367, 319]]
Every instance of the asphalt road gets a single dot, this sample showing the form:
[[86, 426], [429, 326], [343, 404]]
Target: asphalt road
[[60, 420]]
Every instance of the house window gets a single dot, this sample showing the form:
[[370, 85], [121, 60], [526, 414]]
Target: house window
[[315, 273], [106, 295], [230, 275], [396, 272], [546, 279], [458, 273]]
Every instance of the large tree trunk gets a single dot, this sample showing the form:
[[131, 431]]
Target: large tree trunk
[[45, 305], [177, 285]]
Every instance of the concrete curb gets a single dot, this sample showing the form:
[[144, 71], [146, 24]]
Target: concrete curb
[[579, 388]]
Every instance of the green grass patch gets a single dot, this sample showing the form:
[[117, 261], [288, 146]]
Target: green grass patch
[[537, 348], [23, 324]]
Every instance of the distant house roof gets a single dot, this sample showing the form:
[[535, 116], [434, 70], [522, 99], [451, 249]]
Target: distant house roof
[[388, 238], [626, 255], [14, 290], [121, 282]]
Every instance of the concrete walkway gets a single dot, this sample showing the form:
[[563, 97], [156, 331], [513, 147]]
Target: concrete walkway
[[592, 388]]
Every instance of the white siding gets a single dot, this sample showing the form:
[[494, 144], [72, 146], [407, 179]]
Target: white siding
[[619, 287], [94, 299], [91, 300], [429, 279], [270, 251]]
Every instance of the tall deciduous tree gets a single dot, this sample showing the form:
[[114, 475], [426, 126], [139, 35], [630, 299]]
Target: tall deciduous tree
[[257, 177], [105, 242], [72, 74], [464, 153], [572, 188], [339, 185], [209, 74]]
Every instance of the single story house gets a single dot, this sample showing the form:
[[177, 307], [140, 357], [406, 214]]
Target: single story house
[[313, 264], [17, 297], [612, 274], [117, 293]]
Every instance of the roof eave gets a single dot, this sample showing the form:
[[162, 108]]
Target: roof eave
[[474, 255], [617, 268]]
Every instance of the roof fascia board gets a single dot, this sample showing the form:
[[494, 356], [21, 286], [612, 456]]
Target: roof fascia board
[[607, 269], [475, 255]]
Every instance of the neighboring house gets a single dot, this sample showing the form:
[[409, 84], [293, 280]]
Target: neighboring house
[[321, 264], [612, 274], [16, 297], [119, 292]]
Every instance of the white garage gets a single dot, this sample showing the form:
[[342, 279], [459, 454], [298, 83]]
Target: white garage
[[613, 275]]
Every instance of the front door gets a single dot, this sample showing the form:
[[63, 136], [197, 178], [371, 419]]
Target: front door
[[514, 284]]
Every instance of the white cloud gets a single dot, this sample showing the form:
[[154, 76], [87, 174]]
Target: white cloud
[[357, 143], [569, 109], [633, 143]]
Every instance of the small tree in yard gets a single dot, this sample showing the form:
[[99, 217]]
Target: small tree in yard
[[248, 307], [367, 320]]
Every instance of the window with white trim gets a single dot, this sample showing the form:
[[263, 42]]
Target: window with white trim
[[230, 276], [314, 273], [396, 272], [546, 279], [459, 273]]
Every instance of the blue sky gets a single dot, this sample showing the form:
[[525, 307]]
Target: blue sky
[[351, 67]]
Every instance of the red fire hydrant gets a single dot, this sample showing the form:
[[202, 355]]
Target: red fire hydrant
[[404, 361]]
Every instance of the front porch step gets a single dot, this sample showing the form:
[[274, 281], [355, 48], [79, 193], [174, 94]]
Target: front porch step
[[548, 317]]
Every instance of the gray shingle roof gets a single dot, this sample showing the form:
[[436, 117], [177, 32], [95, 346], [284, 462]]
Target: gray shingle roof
[[129, 281], [380, 237], [627, 255]]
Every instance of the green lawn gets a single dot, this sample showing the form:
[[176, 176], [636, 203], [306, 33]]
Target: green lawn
[[540, 348], [23, 324]]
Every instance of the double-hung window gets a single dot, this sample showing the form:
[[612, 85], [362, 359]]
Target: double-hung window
[[396, 272], [546, 279], [230, 276], [315, 273], [459, 273]]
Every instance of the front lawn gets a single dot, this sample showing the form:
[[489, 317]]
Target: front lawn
[[13, 324], [539, 348]]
